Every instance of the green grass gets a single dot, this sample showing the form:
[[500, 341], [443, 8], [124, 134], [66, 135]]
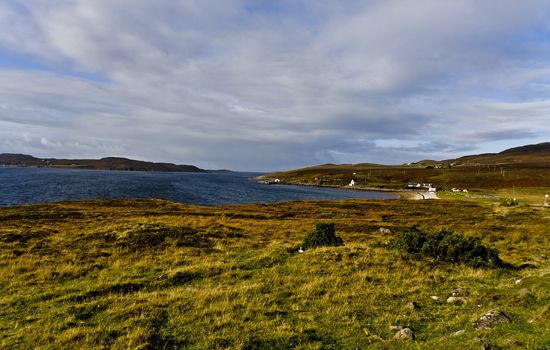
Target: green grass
[[153, 274], [470, 176]]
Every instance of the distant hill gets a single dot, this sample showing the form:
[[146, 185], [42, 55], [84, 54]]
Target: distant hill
[[109, 163], [526, 166], [538, 153]]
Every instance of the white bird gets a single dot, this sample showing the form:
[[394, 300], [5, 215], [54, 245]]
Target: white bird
[[300, 250]]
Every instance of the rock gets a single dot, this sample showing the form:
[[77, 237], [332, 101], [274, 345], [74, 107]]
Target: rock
[[404, 334], [412, 306], [525, 291], [434, 297], [456, 300], [491, 319], [384, 230], [518, 279], [541, 256], [396, 328], [458, 292], [458, 333]]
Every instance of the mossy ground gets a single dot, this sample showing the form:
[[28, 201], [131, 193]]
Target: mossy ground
[[155, 274]]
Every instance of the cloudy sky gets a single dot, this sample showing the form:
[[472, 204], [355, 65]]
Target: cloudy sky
[[273, 85]]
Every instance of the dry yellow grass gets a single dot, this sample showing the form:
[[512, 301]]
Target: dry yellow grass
[[154, 274]]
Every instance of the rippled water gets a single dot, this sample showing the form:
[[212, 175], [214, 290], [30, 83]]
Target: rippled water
[[31, 185]]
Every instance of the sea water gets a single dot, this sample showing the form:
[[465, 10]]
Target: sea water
[[39, 185]]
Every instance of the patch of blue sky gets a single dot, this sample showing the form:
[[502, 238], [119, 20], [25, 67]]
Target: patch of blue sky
[[19, 61]]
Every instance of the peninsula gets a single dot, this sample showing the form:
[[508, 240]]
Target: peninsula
[[108, 163]]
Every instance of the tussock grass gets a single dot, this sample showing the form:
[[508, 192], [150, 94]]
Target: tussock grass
[[154, 274]]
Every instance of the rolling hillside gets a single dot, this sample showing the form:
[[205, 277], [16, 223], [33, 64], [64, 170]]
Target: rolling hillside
[[520, 167]]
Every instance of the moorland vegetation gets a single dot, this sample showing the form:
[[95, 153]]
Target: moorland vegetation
[[145, 274]]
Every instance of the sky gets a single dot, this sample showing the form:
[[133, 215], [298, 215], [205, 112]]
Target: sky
[[262, 85]]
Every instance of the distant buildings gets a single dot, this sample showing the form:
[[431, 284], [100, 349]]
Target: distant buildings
[[459, 190], [422, 186]]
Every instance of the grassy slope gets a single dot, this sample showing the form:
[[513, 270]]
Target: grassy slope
[[146, 273], [522, 173]]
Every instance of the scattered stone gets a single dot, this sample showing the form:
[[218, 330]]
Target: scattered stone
[[458, 292], [491, 319], [384, 230], [525, 291], [434, 297], [456, 300], [541, 256], [404, 334], [518, 279], [458, 333], [396, 328], [412, 306]]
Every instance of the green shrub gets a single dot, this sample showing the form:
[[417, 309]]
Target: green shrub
[[323, 235], [447, 247]]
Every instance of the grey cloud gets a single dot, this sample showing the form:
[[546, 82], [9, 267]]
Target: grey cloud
[[236, 85]]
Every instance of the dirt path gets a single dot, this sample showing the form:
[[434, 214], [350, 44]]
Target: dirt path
[[418, 195]]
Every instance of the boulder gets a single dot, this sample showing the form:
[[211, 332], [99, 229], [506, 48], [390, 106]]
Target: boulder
[[404, 334], [456, 300], [490, 320]]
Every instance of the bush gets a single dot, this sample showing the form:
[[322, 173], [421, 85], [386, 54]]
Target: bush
[[322, 235], [447, 247]]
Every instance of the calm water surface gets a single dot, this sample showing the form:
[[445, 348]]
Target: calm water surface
[[31, 185]]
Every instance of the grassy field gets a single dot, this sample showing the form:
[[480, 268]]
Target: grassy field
[[471, 177], [154, 274]]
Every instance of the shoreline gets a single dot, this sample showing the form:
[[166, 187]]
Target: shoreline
[[401, 193]]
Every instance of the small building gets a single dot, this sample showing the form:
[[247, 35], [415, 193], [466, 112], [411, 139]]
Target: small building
[[419, 185]]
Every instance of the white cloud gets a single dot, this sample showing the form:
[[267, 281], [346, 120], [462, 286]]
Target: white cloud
[[265, 85]]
